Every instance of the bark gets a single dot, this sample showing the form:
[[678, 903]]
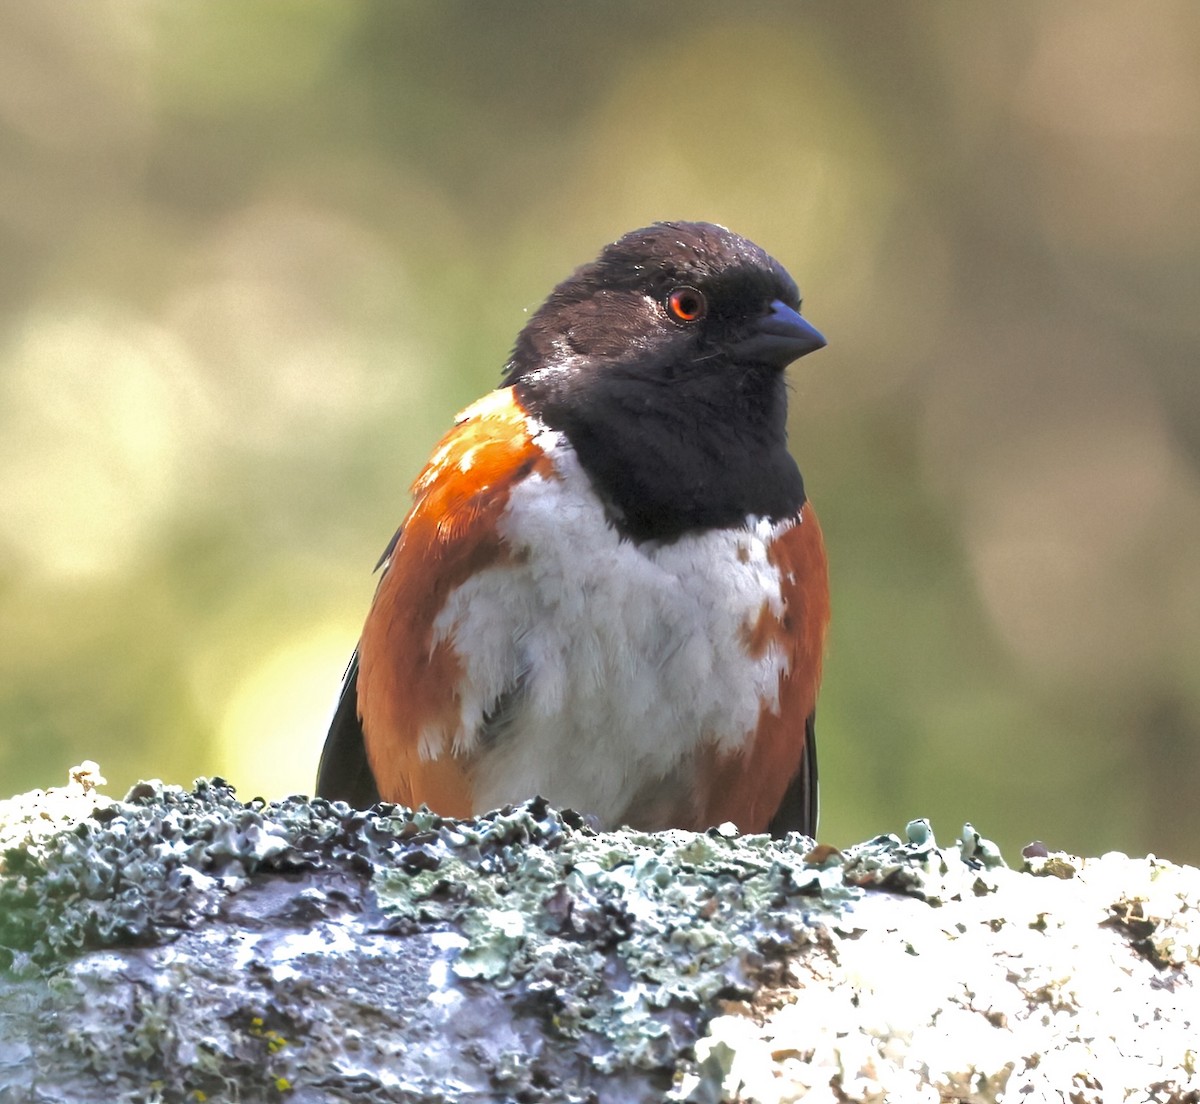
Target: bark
[[184, 946]]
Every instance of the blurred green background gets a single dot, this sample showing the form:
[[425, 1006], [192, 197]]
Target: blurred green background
[[255, 256]]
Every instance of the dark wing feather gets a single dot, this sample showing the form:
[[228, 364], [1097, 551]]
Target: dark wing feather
[[797, 811], [344, 773]]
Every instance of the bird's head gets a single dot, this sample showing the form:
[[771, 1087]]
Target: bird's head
[[662, 363], [665, 303]]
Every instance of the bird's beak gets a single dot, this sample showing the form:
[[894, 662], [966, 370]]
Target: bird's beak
[[779, 337]]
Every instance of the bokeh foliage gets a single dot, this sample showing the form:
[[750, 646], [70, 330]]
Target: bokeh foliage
[[256, 255]]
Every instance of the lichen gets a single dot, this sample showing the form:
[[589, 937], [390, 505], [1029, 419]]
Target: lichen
[[183, 945], [135, 871], [1067, 980], [552, 906], [618, 945]]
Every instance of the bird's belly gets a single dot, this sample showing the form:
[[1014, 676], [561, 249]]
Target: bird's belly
[[628, 670]]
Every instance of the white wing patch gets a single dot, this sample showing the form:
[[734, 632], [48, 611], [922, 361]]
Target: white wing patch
[[634, 655]]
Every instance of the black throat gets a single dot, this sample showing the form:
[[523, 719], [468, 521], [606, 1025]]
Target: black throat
[[671, 453]]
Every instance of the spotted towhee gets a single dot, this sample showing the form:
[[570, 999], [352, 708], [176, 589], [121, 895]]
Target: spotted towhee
[[610, 589]]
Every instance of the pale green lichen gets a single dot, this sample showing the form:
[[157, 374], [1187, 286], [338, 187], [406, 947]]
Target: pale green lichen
[[714, 914], [620, 944], [116, 873], [1015, 987], [185, 945], [555, 910]]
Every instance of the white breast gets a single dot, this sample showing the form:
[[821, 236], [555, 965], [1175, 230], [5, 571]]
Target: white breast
[[631, 655]]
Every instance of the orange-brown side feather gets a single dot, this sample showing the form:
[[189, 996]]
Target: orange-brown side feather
[[748, 787], [407, 682]]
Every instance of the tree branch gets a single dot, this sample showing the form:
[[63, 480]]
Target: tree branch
[[183, 946]]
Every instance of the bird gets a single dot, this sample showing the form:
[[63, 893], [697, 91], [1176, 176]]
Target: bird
[[611, 590]]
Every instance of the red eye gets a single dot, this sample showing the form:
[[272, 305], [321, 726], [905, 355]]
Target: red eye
[[686, 304]]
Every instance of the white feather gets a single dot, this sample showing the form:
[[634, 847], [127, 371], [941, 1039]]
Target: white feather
[[633, 654]]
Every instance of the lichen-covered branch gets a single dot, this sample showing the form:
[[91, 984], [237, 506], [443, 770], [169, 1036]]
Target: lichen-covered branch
[[177, 946]]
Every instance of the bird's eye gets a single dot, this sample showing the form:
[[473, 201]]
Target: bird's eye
[[686, 304]]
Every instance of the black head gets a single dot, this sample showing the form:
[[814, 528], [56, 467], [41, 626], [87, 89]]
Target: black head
[[662, 363]]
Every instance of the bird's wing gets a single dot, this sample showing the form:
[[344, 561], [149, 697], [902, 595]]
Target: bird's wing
[[344, 774], [400, 707], [797, 811]]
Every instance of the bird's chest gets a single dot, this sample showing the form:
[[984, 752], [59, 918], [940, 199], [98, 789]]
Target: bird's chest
[[600, 672]]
